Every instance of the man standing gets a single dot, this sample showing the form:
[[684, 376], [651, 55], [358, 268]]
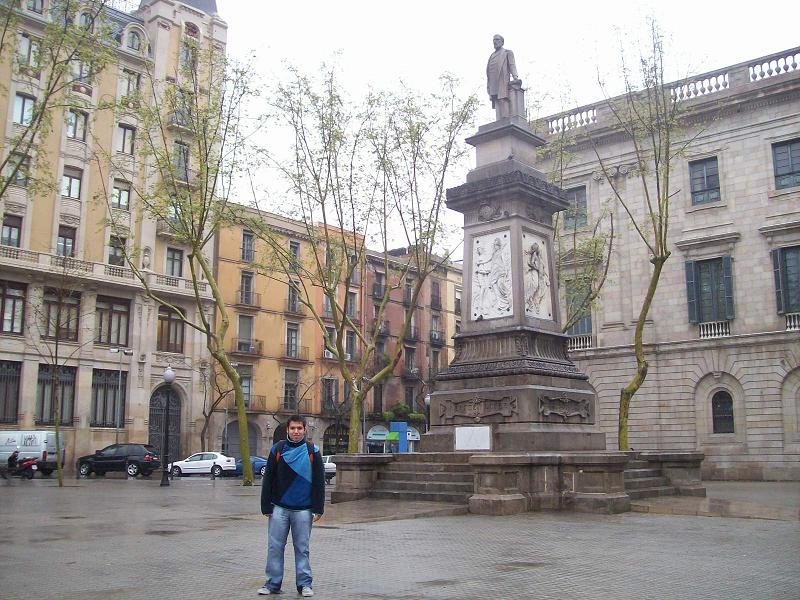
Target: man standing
[[499, 69], [292, 497]]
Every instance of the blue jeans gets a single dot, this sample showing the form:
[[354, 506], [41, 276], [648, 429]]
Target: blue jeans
[[299, 521]]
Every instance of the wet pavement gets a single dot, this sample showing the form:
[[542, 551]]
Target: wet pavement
[[198, 538]]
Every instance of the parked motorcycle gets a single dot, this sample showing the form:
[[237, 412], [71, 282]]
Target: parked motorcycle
[[26, 468]]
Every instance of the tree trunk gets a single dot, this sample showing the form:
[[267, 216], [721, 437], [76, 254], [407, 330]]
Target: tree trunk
[[204, 433], [244, 441], [354, 433], [627, 393]]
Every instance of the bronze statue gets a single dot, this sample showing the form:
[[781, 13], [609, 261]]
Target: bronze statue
[[499, 70]]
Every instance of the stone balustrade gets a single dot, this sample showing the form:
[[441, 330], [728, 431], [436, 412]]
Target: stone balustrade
[[735, 78]]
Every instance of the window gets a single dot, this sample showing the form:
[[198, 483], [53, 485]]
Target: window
[[291, 379], [112, 316], [436, 295], [125, 138], [377, 398], [575, 215], [576, 297], [81, 73], [17, 168], [380, 350], [292, 340], [86, 21], [704, 178], [36, 6], [248, 246], [327, 306], [245, 340], [61, 311], [330, 392], [331, 335], [71, 183], [457, 302], [109, 392], [129, 83], [408, 396], [182, 108], [246, 288], [435, 361], [722, 412], [188, 56], [23, 109], [56, 390], [458, 326], [170, 331], [786, 162], [76, 125], [350, 345], [180, 161], [786, 266], [65, 244], [409, 356], [28, 51], [293, 300], [121, 195], [13, 306], [174, 262], [709, 285], [246, 379], [12, 226], [116, 251], [192, 30], [9, 390], [134, 41], [436, 326], [294, 250], [350, 304]]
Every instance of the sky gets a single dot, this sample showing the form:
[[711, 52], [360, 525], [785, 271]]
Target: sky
[[561, 49]]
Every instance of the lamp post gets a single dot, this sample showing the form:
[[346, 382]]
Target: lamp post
[[169, 377], [118, 404]]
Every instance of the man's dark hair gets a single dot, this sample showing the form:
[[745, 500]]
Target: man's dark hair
[[296, 419]]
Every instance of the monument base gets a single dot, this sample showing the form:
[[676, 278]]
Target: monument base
[[518, 437]]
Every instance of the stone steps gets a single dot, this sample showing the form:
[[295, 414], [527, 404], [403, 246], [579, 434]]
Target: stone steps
[[642, 483], [433, 457], [425, 486], [642, 480], [423, 467], [639, 473], [433, 476], [651, 492], [453, 497]]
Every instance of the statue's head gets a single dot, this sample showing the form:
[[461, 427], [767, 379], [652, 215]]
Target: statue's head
[[498, 41]]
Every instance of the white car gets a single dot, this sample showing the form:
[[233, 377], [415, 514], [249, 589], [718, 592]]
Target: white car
[[215, 463], [330, 468]]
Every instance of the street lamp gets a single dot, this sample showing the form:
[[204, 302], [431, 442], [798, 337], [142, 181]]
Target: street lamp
[[118, 404], [169, 377]]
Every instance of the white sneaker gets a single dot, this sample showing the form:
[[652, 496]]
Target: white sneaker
[[306, 592], [265, 591]]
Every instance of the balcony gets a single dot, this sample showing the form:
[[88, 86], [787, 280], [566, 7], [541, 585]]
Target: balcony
[[354, 316], [165, 228], [378, 290], [382, 328], [248, 299], [253, 403], [294, 307], [248, 254], [580, 342], [792, 321], [410, 373], [246, 347], [436, 302], [437, 338], [715, 329], [457, 307], [293, 352], [412, 334], [407, 296], [332, 408], [167, 283], [291, 405]]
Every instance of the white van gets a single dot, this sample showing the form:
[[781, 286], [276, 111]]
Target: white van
[[35, 444]]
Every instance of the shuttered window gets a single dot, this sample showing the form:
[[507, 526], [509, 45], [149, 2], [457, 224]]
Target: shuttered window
[[709, 290], [786, 162]]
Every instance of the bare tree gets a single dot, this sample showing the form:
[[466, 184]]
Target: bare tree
[[191, 143], [363, 172]]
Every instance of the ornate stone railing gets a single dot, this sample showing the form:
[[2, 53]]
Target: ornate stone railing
[[792, 321], [580, 342], [737, 77], [715, 329]]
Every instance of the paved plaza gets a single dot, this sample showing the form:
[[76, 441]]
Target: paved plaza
[[116, 538]]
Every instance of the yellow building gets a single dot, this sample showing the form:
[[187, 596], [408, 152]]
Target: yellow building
[[56, 235]]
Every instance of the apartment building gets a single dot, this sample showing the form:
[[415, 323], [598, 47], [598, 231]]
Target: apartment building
[[58, 253], [723, 335]]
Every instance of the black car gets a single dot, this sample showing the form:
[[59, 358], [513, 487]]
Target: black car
[[133, 458]]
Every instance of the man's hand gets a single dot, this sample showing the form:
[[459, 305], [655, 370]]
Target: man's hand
[[317, 518]]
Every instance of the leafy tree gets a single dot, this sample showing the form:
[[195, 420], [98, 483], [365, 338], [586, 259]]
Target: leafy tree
[[368, 171]]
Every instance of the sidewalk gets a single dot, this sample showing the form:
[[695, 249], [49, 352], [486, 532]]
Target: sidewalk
[[772, 500]]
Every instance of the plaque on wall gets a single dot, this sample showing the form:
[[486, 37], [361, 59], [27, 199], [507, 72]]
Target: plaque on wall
[[473, 438]]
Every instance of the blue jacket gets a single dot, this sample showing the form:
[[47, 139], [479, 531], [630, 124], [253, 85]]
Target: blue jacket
[[294, 479]]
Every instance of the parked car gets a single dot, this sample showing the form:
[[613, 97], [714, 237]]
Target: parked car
[[259, 465], [330, 468], [132, 458], [40, 445], [214, 463]]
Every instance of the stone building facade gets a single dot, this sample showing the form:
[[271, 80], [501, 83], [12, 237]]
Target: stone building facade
[[723, 335], [57, 236]]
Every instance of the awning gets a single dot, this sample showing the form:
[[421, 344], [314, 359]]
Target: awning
[[377, 434], [412, 435], [393, 436]]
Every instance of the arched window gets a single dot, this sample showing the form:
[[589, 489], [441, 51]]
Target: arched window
[[134, 41], [722, 412], [86, 21], [192, 30]]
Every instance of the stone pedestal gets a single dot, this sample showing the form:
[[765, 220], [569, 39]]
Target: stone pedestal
[[356, 475], [682, 470]]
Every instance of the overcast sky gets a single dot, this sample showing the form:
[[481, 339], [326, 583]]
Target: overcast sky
[[559, 46]]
